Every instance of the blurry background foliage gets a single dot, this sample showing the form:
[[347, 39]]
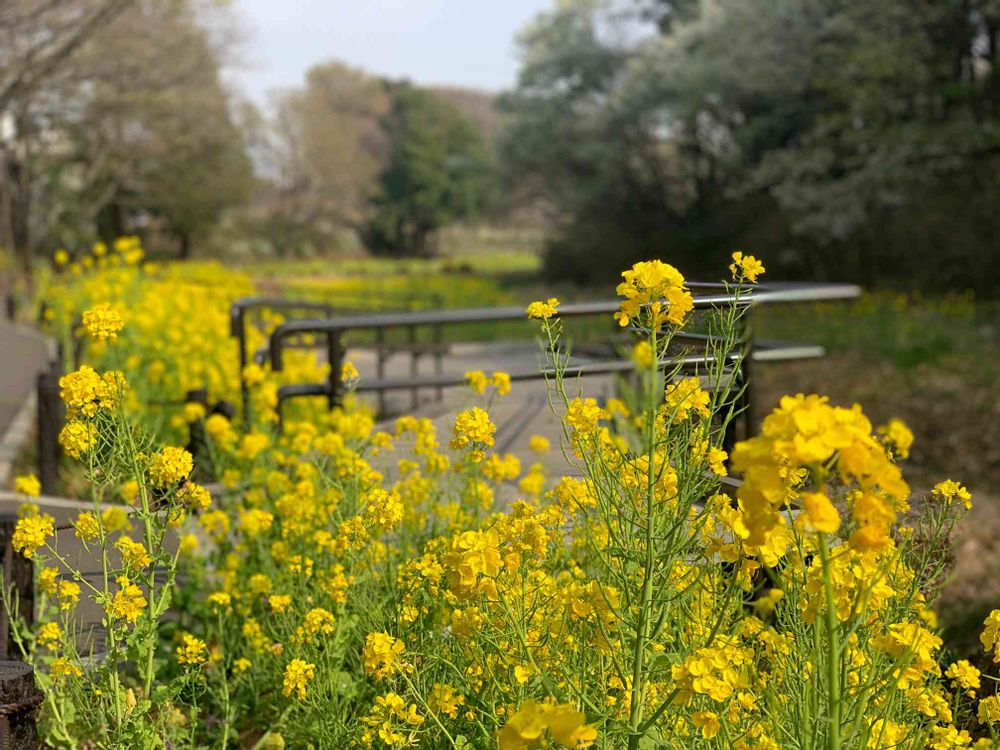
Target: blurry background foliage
[[849, 140]]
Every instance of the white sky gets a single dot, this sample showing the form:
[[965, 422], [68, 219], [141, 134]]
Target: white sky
[[459, 42]]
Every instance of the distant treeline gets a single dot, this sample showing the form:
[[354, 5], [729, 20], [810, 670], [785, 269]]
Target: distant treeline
[[837, 140], [847, 140]]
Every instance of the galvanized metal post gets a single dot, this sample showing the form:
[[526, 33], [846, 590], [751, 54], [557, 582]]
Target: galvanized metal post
[[380, 356], [18, 700], [239, 329], [335, 356], [51, 416], [439, 358], [197, 441], [414, 366], [19, 579]]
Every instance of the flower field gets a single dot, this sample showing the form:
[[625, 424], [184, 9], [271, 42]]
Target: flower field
[[338, 584]]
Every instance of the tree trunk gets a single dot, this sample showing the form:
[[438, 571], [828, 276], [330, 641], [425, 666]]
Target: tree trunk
[[185, 251]]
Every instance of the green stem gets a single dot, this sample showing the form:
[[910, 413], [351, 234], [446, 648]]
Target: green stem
[[226, 709], [112, 641], [427, 708], [148, 538], [833, 649], [645, 599]]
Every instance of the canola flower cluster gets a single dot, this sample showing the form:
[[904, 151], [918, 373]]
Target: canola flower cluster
[[163, 329], [363, 586]]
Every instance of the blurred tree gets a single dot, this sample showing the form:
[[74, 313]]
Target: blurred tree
[[322, 152], [187, 160], [40, 38], [820, 129], [39, 42], [476, 105], [131, 130], [438, 171]]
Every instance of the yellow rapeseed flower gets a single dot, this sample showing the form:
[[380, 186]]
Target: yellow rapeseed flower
[[170, 466], [49, 634], [818, 514], [195, 496], [501, 382], [477, 380], [383, 656], [77, 438], [950, 490], [898, 436], [707, 722], [990, 637], [543, 310], [989, 710], [963, 676], [31, 534], [28, 484], [279, 602], [68, 595], [192, 652], [349, 373], [318, 621], [473, 428], [298, 674], [528, 724], [539, 444], [128, 602], [653, 293], [103, 322], [745, 267], [62, 669], [134, 554]]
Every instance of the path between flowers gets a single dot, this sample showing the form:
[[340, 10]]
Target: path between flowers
[[519, 415], [23, 354]]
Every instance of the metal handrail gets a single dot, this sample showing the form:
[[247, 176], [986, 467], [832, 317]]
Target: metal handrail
[[335, 329], [764, 293], [457, 316]]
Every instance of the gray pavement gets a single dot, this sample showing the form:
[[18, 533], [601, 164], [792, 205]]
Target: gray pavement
[[519, 415], [24, 352]]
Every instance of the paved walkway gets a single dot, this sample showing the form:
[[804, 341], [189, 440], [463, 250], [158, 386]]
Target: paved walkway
[[518, 416], [24, 353]]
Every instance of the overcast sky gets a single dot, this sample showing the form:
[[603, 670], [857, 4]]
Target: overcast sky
[[459, 42]]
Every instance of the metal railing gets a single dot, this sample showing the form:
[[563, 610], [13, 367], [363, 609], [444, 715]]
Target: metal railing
[[384, 350], [707, 296]]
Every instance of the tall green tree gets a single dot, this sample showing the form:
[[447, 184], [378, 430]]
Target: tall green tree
[[439, 170]]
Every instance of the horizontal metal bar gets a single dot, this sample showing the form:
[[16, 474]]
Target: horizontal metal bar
[[764, 351], [764, 293], [238, 309], [442, 317], [782, 351], [804, 292], [451, 380]]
